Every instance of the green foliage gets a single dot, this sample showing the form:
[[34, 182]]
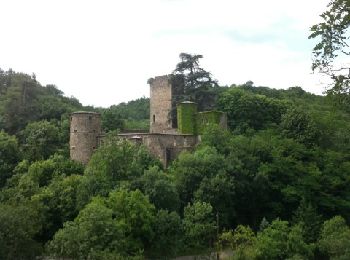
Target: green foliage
[[168, 235], [112, 120], [191, 122], [207, 118], [24, 100], [276, 241], [335, 238], [242, 242], [115, 163], [131, 115], [18, 226], [332, 33], [58, 203], [279, 241], [246, 110], [160, 189], [217, 137], [307, 218], [136, 109], [40, 140], [190, 170], [120, 225], [186, 117], [193, 83], [119, 160], [142, 124], [194, 76], [9, 156], [199, 225], [30, 178], [42, 172], [219, 191], [300, 126], [286, 156]]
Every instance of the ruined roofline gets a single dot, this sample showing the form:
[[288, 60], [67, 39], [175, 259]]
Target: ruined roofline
[[163, 77]]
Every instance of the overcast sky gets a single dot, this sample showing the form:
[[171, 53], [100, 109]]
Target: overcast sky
[[102, 52]]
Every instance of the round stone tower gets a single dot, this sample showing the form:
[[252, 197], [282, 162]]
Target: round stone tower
[[85, 130]]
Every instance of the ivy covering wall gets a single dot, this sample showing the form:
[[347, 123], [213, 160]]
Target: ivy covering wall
[[191, 122], [186, 117], [206, 118]]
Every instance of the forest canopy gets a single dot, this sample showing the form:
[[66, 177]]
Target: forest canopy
[[274, 185]]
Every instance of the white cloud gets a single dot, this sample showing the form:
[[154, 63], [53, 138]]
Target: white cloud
[[103, 52]]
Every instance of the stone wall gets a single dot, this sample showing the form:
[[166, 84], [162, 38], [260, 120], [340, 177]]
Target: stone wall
[[160, 105], [85, 129], [167, 147]]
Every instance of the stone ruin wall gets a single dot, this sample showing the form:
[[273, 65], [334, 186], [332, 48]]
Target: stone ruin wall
[[163, 141], [160, 105], [167, 147], [85, 129]]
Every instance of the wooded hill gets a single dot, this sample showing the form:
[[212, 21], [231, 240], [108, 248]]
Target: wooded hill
[[276, 185]]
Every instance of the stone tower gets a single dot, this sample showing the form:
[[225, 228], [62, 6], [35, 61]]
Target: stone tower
[[85, 130], [160, 104]]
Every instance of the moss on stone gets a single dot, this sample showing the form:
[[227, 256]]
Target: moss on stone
[[206, 118], [186, 117]]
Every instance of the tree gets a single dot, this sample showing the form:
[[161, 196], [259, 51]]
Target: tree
[[9, 156], [168, 235], [248, 110], [217, 137], [18, 226], [199, 225], [120, 225], [160, 188], [191, 82], [297, 124], [116, 163], [58, 204], [307, 218], [191, 169], [194, 75], [242, 242], [333, 46], [40, 140], [335, 238], [219, 191], [279, 241], [112, 120], [30, 178]]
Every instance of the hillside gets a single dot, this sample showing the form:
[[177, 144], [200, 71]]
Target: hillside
[[275, 185]]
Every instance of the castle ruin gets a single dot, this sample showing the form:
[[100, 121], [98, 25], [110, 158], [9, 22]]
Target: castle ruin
[[170, 133]]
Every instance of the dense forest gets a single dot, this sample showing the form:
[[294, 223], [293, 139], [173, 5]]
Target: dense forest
[[275, 185]]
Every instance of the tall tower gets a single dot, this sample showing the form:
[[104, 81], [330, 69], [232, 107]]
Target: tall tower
[[85, 129], [161, 105]]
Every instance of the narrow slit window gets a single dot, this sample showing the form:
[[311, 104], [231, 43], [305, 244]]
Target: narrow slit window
[[154, 118]]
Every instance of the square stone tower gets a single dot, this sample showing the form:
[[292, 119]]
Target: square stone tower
[[161, 105]]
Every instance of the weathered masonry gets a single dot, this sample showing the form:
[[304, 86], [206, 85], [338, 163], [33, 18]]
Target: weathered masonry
[[173, 127], [85, 131]]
